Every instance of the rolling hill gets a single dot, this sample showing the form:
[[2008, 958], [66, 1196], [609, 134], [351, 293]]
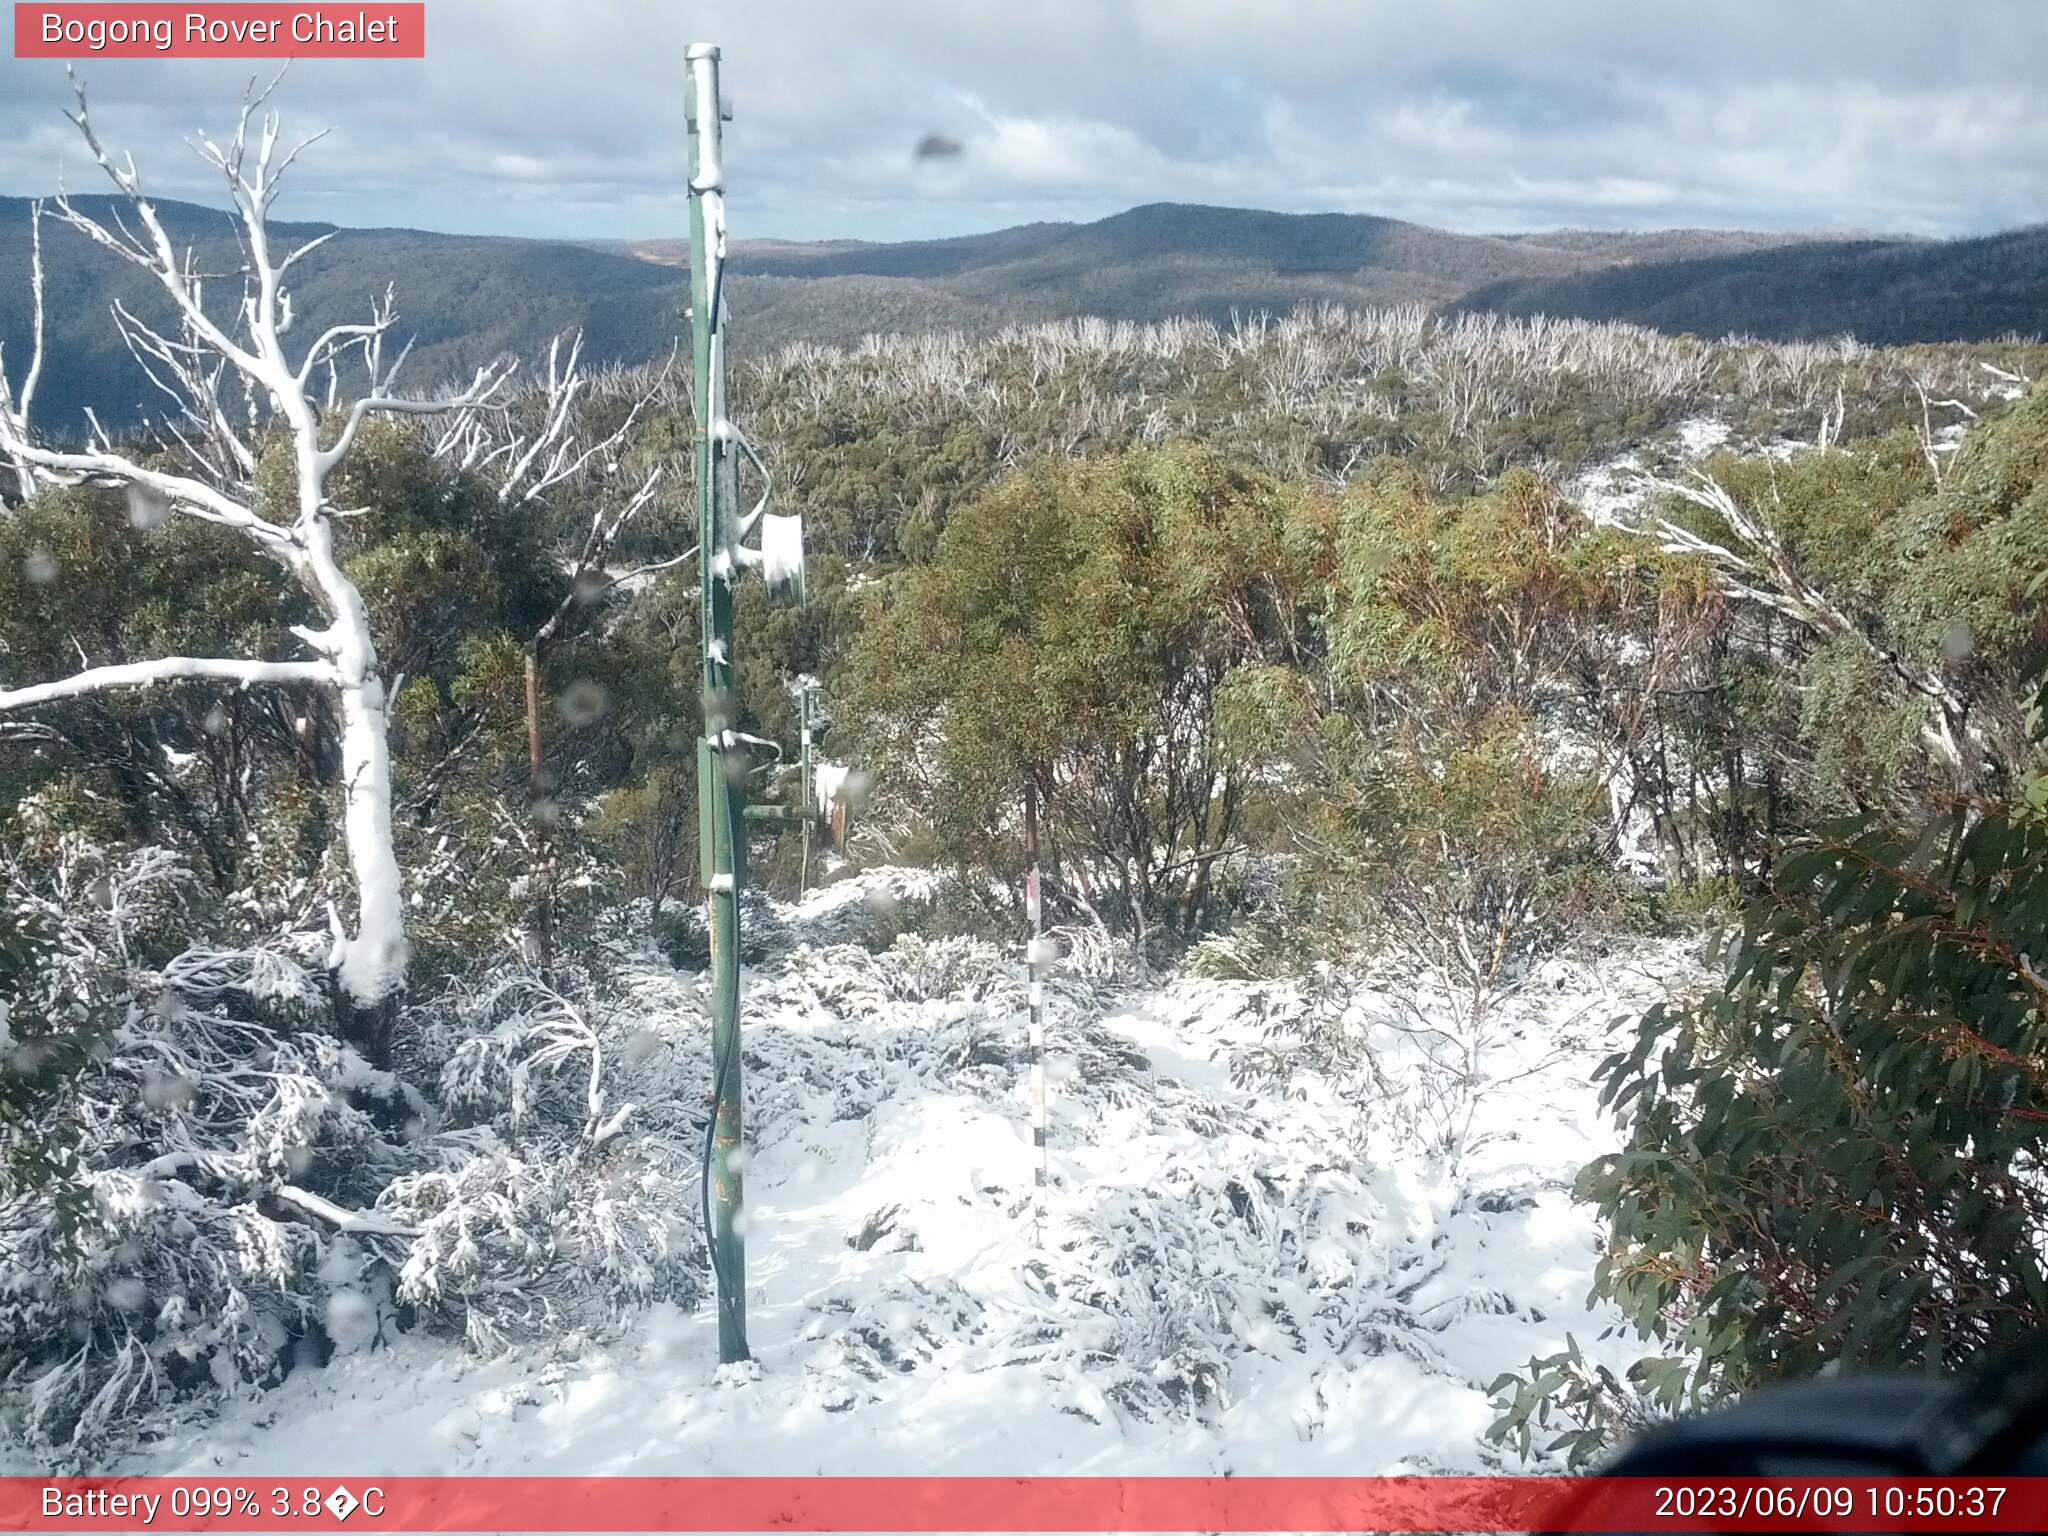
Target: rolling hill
[[1886, 292], [1167, 259], [464, 299]]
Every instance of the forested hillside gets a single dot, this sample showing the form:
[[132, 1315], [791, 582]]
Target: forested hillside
[[1885, 292], [466, 299]]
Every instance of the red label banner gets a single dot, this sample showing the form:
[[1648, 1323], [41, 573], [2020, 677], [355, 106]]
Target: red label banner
[[1054, 1504], [216, 31]]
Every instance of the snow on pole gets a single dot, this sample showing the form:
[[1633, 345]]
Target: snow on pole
[[805, 687], [723, 856], [1037, 956], [829, 787], [721, 765]]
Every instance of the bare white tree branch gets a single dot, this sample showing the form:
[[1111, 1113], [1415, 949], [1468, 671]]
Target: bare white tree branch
[[529, 463], [191, 363], [169, 669], [1755, 567], [14, 407]]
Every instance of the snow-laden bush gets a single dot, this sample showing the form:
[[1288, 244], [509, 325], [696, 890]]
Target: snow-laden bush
[[849, 980], [201, 1186], [1093, 955], [1261, 946], [142, 1292], [1165, 1272], [1414, 1063], [156, 1243], [510, 1249], [545, 1222]]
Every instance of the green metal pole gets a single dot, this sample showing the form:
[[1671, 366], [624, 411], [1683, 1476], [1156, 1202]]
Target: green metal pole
[[803, 879], [718, 790]]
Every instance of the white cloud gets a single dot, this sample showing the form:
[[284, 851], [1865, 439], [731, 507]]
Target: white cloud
[[540, 116]]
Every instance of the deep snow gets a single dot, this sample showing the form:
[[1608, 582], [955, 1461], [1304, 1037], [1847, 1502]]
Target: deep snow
[[1229, 1279]]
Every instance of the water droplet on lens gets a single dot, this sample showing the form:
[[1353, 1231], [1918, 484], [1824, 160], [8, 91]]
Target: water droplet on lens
[[584, 702], [718, 710], [168, 1090], [855, 790], [127, 1294], [146, 508]]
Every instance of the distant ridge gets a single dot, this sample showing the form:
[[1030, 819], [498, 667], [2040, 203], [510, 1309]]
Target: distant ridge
[[466, 298], [1887, 292]]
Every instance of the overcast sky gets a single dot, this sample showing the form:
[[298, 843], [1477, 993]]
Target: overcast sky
[[564, 117]]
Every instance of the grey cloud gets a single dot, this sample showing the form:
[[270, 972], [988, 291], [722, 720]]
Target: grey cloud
[[560, 118]]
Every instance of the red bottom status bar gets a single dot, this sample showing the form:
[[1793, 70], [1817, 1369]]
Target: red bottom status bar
[[1052, 1504]]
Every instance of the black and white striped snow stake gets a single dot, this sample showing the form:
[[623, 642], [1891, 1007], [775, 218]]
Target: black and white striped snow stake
[[1038, 954]]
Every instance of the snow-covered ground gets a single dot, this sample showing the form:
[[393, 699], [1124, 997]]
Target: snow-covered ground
[[1228, 1278], [1615, 489]]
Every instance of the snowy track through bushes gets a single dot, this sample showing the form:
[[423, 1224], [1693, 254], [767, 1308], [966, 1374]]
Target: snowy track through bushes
[[1234, 1277]]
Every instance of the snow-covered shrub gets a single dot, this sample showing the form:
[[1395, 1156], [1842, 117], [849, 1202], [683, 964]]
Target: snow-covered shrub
[[68, 914], [1171, 1299], [539, 1220], [202, 1185], [166, 1244], [510, 1248], [147, 1292], [1415, 1065], [968, 976], [477, 877], [914, 969], [1306, 1023], [851, 981], [1093, 955], [539, 1047], [1260, 947]]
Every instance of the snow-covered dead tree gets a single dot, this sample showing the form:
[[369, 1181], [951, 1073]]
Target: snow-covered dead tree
[[234, 387], [1754, 566], [531, 454], [531, 448]]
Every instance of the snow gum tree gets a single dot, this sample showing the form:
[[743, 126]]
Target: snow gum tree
[[1093, 627], [242, 399], [1492, 665]]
